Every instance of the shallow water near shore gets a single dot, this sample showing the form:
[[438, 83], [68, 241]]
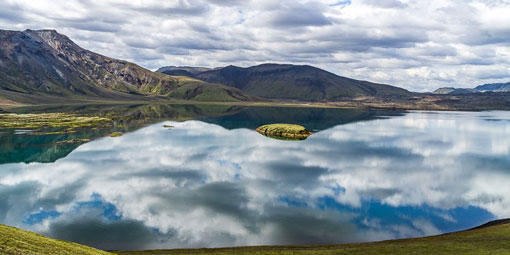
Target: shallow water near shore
[[211, 180]]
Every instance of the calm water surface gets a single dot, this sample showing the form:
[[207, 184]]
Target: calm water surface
[[213, 181]]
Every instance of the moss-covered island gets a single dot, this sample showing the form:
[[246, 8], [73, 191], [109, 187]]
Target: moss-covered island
[[286, 131]]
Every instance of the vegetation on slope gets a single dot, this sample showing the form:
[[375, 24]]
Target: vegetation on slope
[[492, 239], [42, 63], [16, 241], [292, 82], [193, 89]]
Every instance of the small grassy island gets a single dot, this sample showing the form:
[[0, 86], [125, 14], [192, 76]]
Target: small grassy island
[[284, 131], [116, 134]]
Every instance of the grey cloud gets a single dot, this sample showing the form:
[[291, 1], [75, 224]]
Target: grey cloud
[[224, 197], [183, 8], [10, 208], [181, 176], [107, 235], [229, 3], [502, 73], [12, 13], [14, 212], [90, 25], [294, 173], [291, 225], [290, 15], [359, 39], [219, 198], [438, 51], [386, 3], [179, 45], [488, 36]]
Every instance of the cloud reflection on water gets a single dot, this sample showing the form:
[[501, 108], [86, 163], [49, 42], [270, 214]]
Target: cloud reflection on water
[[200, 185]]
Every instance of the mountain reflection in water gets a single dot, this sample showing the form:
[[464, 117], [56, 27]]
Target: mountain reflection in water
[[214, 181], [26, 147]]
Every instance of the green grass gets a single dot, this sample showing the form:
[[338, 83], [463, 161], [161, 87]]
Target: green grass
[[289, 128], [489, 240], [492, 239], [17, 241], [50, 120], [116, 134]]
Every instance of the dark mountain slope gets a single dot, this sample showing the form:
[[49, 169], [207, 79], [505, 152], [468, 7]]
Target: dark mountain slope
[[46, 63], [494, 87], [182, 70], [305, 83]]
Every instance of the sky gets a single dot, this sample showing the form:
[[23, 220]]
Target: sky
[[419, 45]]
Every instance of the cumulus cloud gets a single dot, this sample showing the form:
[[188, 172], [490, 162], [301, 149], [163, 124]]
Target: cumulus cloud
[[201, 185], [352, 38]]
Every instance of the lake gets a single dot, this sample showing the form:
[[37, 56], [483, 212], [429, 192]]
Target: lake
[[213, 181]]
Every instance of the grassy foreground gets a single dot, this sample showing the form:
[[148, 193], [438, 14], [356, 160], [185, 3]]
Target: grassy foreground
[[17, 241], [492, 238]]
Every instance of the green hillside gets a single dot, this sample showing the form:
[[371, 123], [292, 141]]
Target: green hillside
[[492, 238], [41, 66], [20, 242], [294, 82]]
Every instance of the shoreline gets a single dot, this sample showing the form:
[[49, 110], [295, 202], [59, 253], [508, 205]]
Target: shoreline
[[340, 105]]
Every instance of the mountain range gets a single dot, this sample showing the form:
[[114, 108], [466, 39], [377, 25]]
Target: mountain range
[[46, 67], [289, 82], [490, 87], [494, 87], [41, 64], [182, 70]]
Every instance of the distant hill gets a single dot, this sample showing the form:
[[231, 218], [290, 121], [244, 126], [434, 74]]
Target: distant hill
[[38, 64], [494, 87], [491, 87], [295, 82], [189, 71], [454, 91]]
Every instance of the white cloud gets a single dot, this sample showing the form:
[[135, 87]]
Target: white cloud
[[353, 38]]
